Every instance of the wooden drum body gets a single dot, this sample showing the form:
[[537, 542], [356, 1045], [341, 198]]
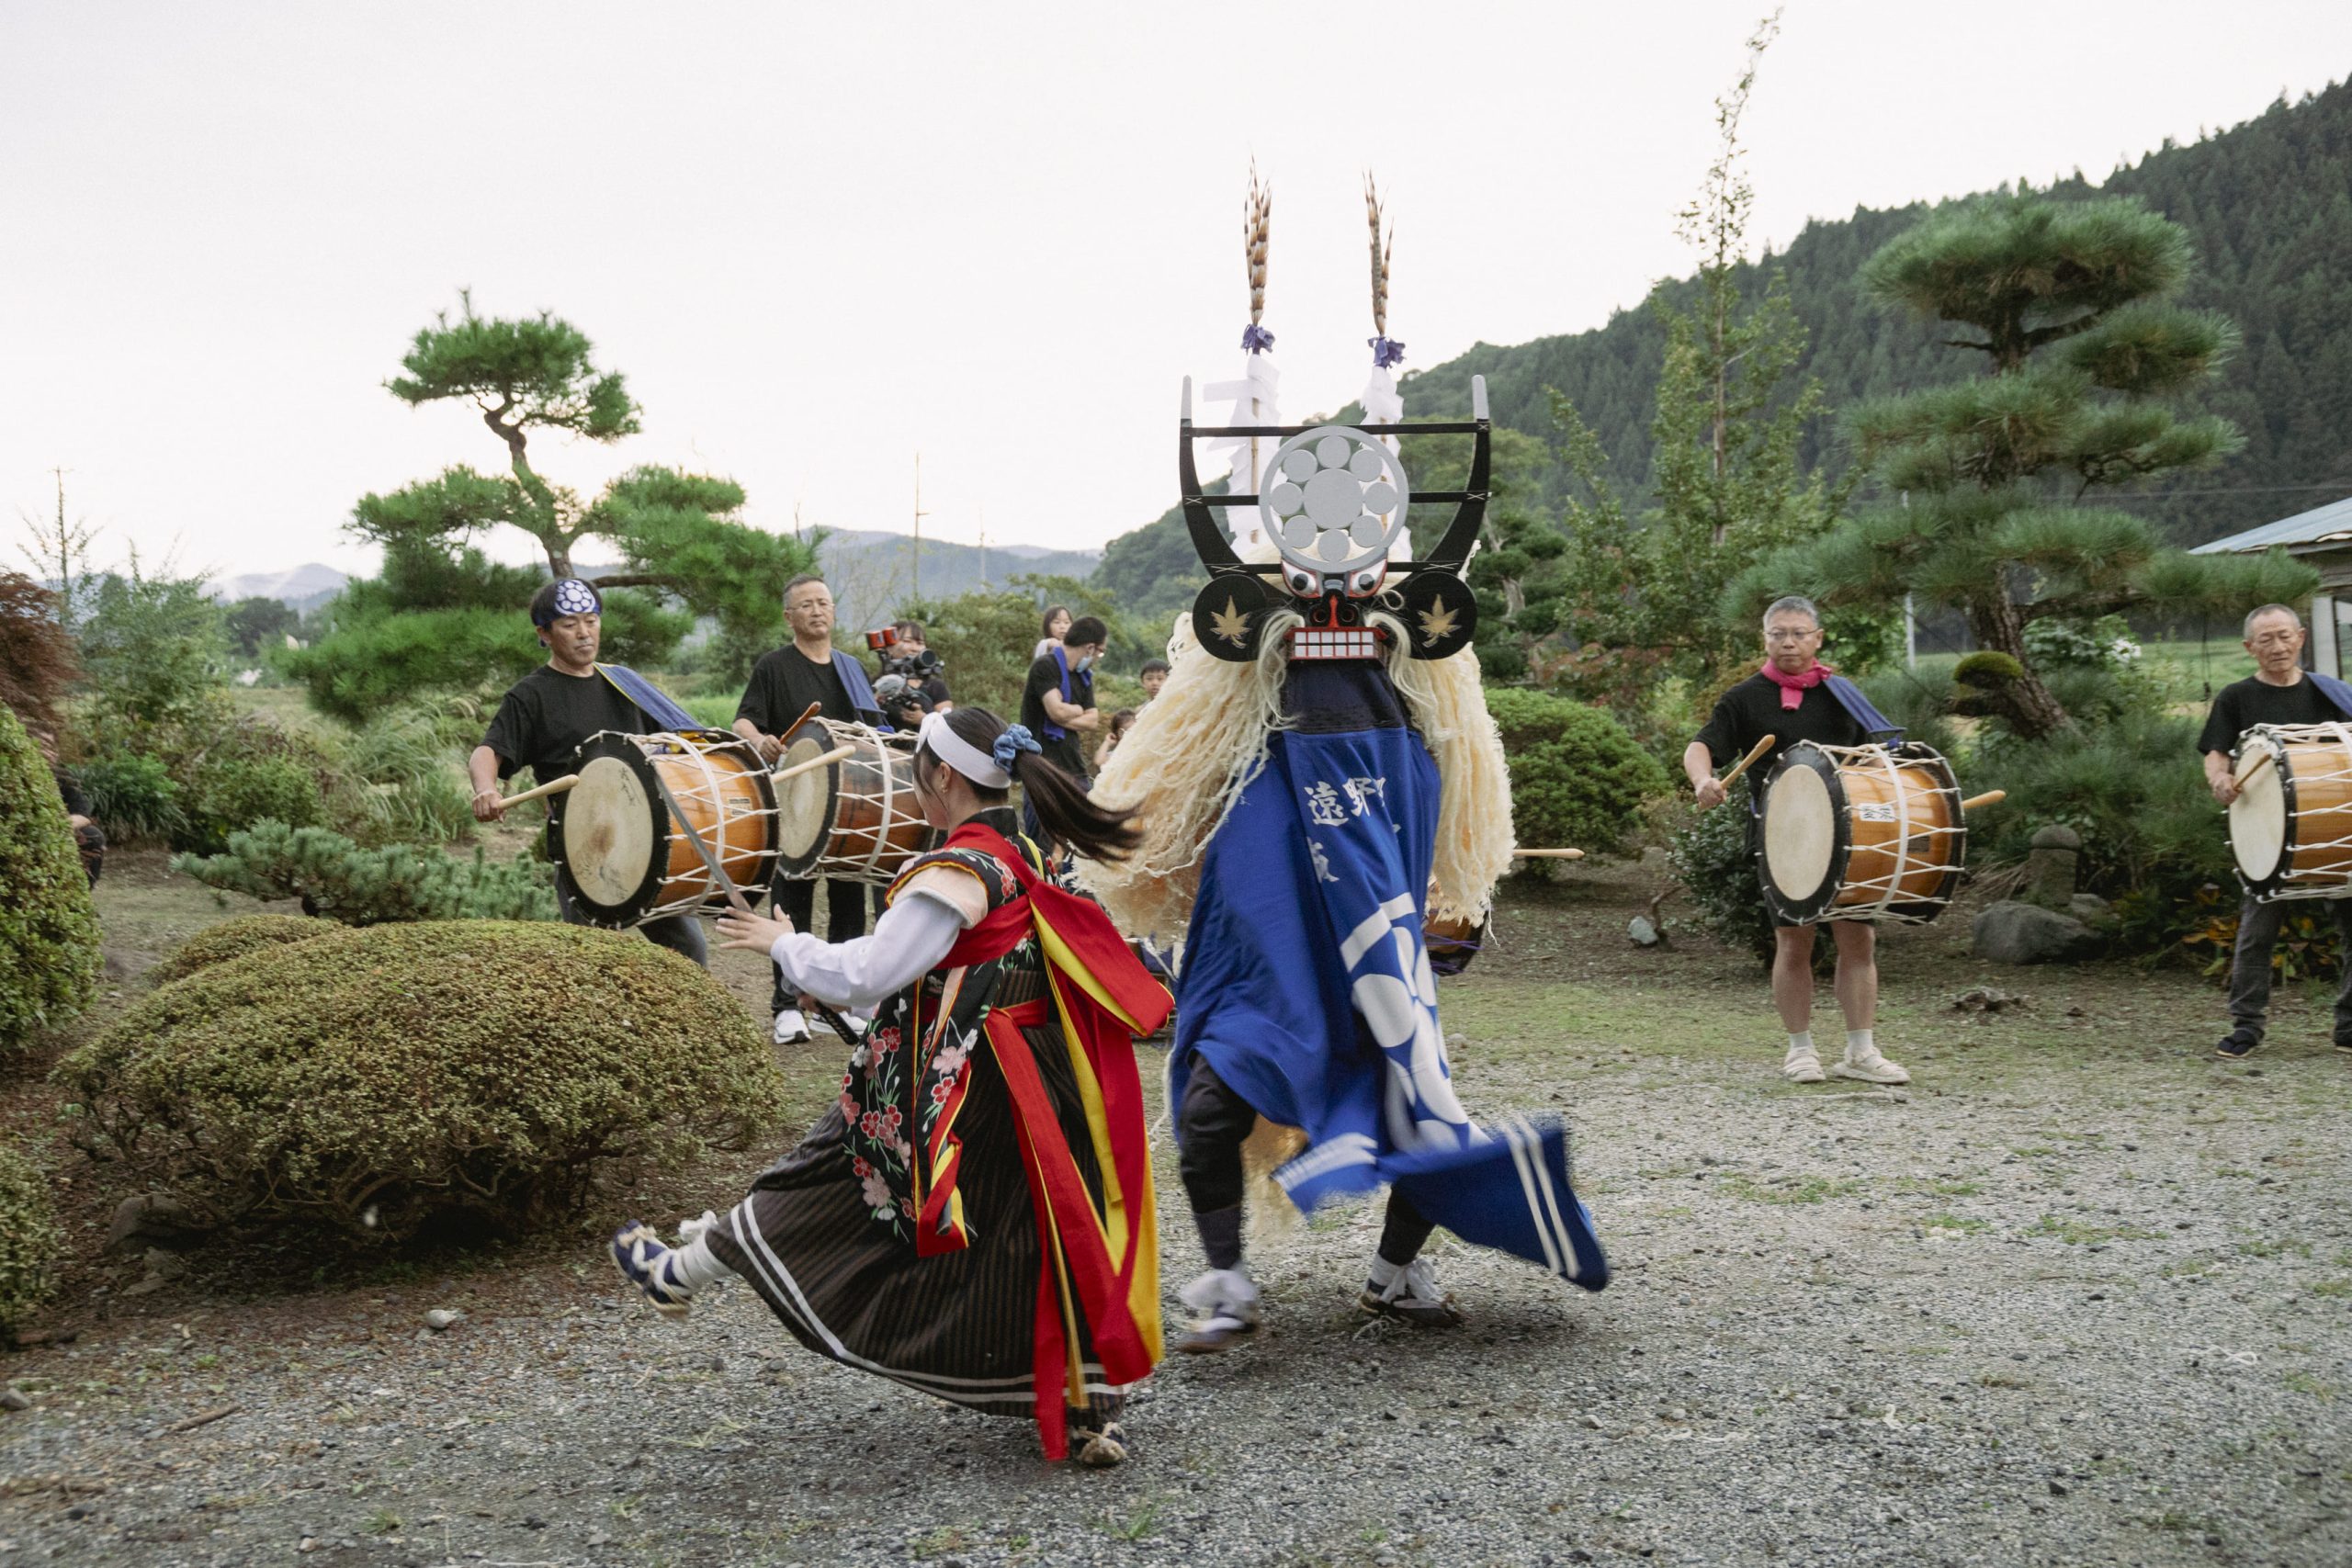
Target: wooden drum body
[[2290, 827], [856, 818], [613, 844], [1860, 833]]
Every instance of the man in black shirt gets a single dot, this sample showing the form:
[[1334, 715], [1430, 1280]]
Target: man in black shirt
[[1057, 703], [544, 717], [784, 684], [2277, 693], [1789, 699], [913, 657]]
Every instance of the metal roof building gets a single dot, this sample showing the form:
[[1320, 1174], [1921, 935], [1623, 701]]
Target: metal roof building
[[2320, 539]]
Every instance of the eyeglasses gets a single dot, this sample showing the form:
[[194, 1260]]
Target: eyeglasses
[[1786, 634]]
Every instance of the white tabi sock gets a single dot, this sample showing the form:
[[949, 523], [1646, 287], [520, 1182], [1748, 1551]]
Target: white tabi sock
[[1859, 1046], [1801, 1043], [1384, 1273], [692, 1263]]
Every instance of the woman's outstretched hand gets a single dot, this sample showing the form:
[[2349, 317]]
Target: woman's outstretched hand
[[755, 932]]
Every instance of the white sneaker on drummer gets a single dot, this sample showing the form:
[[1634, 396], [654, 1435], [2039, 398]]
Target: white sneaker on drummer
[[791, 1028], [1802, 1066]]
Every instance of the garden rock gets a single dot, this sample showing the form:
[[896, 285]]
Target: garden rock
[[2016, 933], [2091, 910], [2050, 867], [152, 1218]]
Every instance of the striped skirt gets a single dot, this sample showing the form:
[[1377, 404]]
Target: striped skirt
[[961, 1324]]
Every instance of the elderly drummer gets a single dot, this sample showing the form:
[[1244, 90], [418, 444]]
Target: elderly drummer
[[2279, 691], [545, 716], [1796, 697]]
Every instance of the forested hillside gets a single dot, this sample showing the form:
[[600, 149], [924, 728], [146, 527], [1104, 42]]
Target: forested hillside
[[2269, 203]]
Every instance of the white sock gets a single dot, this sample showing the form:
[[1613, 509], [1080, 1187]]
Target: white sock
[[1801, 1043], [696, 1267], [1384, 1273], [1858, 1044]]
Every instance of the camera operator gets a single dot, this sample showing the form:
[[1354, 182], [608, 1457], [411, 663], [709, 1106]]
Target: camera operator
[[910, 657], [901, 702]]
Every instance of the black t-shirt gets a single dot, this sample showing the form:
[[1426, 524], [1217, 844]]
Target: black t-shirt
[[934, 691], [69, 789], [1752, 710], [1045, 676], [547, 713], [784, 682], [2242, 705]]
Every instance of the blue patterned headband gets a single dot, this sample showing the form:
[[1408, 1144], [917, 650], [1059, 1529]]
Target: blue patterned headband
[[572, 597]]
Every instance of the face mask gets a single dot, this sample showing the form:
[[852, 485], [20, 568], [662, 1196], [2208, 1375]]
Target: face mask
[[1086, 663]]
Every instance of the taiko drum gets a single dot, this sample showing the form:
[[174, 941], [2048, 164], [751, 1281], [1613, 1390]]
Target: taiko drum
[[1860, 833], [623, 857], [2290, 827], [856, 818]]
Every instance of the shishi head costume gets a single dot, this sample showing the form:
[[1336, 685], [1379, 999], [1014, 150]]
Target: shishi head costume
[[1318, 776]]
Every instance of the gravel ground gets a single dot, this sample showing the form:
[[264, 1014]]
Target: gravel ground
[[2079, 1295]]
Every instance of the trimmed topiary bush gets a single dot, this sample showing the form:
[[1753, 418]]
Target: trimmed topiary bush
[[49, 933], [338, 878], [1578, 779], [381, 1080], [29, 1239], [234, 939]]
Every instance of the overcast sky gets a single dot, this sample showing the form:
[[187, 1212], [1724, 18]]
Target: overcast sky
[[820, 239]]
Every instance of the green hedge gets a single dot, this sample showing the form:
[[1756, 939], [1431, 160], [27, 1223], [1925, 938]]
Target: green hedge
[[49, 932], [29, 1239], [234, 939], [381, 1080], [359, 886], [1578, 779]]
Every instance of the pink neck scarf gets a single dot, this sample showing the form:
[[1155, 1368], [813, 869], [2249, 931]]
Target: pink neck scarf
[[1794, 687]]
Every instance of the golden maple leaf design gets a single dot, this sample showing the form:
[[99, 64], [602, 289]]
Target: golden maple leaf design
[[1230, 623], [1437, 623]]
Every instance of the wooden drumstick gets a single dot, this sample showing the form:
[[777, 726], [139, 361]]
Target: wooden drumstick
[[1741, 766], [812, 765], [789, 730], [553, 787], [1990, 797], [2261, 760], [1549, 855]]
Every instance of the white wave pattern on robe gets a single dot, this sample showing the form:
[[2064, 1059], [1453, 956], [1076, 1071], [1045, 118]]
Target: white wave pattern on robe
[[1254, 403]]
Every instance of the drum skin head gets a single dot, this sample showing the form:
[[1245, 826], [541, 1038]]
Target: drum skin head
[[609, 832], [1800, 832], [2258, 824], [804, 805]]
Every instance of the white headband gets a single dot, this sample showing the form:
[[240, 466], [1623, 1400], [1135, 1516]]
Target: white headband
[[961, 754]]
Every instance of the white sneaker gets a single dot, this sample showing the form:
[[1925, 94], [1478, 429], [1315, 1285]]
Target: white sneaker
[[791, 1028], [1870, 1067], [1227, 1301], [1803, 1066], [1411, 1293]]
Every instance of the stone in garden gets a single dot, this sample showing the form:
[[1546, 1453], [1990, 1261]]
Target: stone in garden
[[2050, 868], [152, 1218], [2016, 933], [2091, 910], [14, 1399], [440, 1318], [165, 1265], [1644, 931]]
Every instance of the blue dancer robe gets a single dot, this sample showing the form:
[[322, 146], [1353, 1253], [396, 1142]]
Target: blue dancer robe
[[1306, 984]]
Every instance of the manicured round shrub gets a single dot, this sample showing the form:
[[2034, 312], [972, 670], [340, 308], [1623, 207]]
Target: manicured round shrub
[[49, 933], [29, 1239], [1578, 779], [379, 1080], [234, 789], [234, 939]]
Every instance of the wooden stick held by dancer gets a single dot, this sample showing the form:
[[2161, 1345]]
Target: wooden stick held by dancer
[[812, 764], [1990, 797], [1548, 855]]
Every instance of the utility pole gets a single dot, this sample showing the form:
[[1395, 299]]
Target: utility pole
[[920, 515]]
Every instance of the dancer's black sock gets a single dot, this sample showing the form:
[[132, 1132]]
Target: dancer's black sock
[[1405, 1233], [1221, 1236]]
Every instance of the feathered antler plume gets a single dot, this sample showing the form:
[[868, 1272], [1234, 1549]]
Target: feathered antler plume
[[1381, 255], [1257, 218]]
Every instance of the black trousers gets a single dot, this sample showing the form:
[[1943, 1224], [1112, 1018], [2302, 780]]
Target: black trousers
[[1212, 1121], [794, 898]]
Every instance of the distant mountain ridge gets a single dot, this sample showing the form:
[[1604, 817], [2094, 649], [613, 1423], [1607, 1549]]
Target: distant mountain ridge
[[303, 587]]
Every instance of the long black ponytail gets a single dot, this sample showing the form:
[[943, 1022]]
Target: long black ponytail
[[1064, 808]]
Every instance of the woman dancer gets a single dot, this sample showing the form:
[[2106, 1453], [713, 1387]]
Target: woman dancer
[[974, 1217]]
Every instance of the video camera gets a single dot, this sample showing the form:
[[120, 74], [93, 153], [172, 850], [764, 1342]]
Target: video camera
[[915, 666]]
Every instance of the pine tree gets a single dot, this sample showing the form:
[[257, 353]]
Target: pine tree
[[1983, 477]]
